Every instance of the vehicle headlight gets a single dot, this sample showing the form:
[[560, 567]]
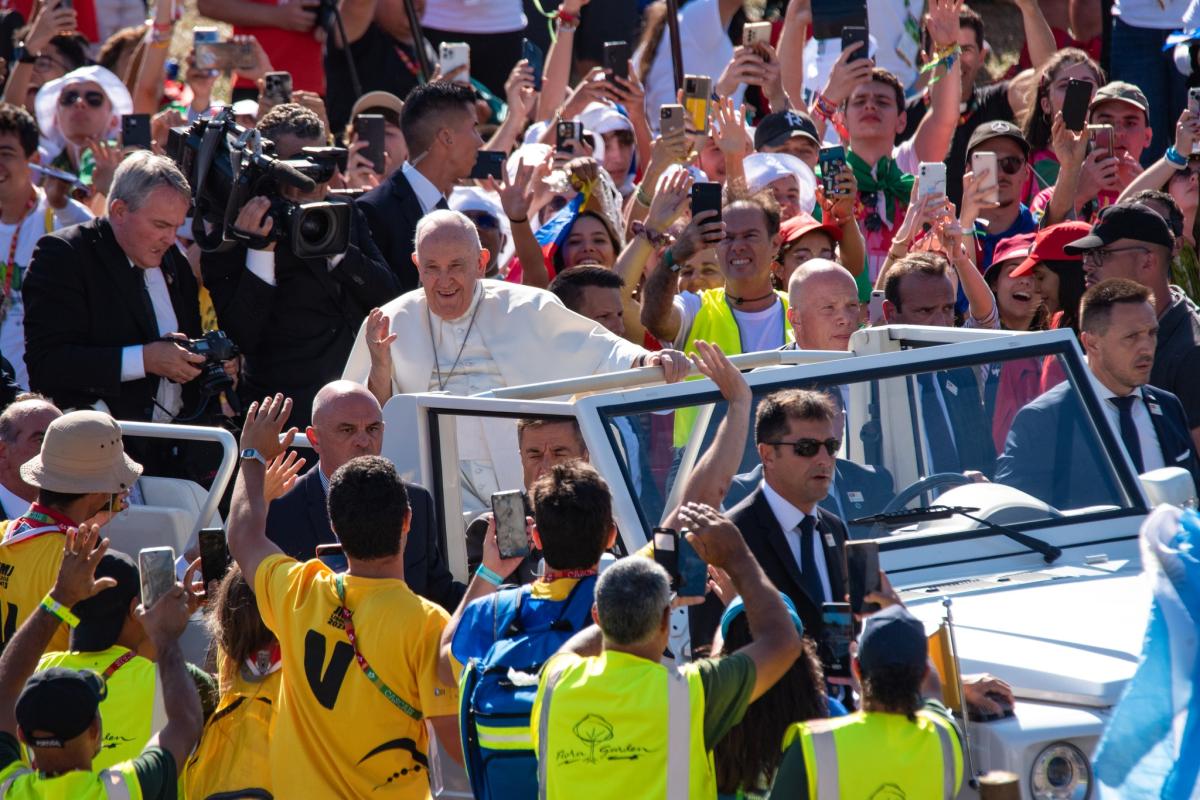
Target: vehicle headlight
[[1061, 772]]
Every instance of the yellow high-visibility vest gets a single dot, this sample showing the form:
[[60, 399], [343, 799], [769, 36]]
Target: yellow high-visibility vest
[[19, 782]]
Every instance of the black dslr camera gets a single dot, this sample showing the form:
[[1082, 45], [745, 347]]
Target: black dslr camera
[[227, 165], [216, 347]]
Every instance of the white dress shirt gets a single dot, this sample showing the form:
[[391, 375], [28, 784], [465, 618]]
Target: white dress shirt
[[169, 398], [1152, 455], [789, 518], [427, 194], [13, 506]]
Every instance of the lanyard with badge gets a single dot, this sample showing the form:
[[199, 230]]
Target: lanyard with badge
[[371, 674]]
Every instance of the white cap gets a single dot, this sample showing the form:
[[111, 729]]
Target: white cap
[[762, 169]]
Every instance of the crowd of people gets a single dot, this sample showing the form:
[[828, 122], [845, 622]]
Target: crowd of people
[[555, 208]]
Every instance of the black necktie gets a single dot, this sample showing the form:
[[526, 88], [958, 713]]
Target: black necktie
[[1129, 434], [442, 204], [942, 451], [809, 576]]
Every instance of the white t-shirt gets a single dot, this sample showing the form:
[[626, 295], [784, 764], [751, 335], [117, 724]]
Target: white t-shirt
[[1149, 14], [474, 16], [759, 330], [32, 227]]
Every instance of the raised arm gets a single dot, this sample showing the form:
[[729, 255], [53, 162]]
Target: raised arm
[[659, 314], [164, 622], [732, 139], [147, 84], [1187, 131], [556, 75], [797, 19], [247, 529], [852, 251], [46, 23], [931, 141], [516, 197], [1071, 149]]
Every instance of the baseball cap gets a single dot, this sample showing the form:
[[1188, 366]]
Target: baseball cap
[[1013, 247], [892, 638], [59, 702], [779, 126], [738, 607], [1125, 221], [1049, 244], [102, 615], [996, 129], [803, 224], [1124, 92], [379, 102], [82, 453]]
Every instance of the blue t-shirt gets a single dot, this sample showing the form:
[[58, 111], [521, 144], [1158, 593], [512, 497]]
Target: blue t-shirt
[[1025, 223]]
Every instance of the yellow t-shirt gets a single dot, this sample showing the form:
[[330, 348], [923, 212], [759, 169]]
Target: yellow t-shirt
[[336, 734], [28, 569]]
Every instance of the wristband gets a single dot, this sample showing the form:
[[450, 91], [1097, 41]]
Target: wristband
[[571, 20], [668, 261], [1176, 159], [57, 609], [519, 221], [641, 198], [824, 105], [488, 575]]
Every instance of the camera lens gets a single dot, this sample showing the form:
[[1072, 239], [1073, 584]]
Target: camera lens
[[316, 227]]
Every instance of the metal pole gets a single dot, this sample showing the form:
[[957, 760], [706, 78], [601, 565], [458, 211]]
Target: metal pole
[[966, 715], [676, 47], [418, 35]]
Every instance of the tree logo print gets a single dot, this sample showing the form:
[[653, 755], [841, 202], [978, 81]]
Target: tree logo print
[[593, 730]]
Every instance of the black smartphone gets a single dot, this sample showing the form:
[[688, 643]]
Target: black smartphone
[[854, 34], [693, 570], [65, 4], [488, 163], [862, 566], [566, 132], [508, 508], [1075, 104], [332, 556], [214, 555], [666, 552], [706, 196], [616, 60], [277, 88], [370, 128], [831, 16], [832, 161], [837, 631], [537, 59], [135, 131]]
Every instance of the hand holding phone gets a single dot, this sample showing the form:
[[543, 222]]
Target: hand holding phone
[[989, 162], [537, 61], [832, 161], [370, 128], [214, 555], [852, 35], [156, 568], [277, 88], [616, 60], [837, 631], [508, 510], [1075, 103]]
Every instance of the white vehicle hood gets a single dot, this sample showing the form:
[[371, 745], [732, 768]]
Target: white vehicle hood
[[1065, 634]]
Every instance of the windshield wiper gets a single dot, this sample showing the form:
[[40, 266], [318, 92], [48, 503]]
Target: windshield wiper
[[907, 516]]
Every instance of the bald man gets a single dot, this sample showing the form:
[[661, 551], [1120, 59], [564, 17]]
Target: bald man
[[22, 428], [462, 334], [347, 422], [823, 305]]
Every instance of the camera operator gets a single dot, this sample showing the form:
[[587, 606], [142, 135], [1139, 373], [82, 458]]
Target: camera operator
[[294, 318]]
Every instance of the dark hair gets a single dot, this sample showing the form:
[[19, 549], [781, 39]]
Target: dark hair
[[1041, 319], [881, 75], [367, 506], [569, 284], [895, 689], [750, 754], [291, 119], [425, 111], [572, 507], [74, 49], [19, 122], [1071, 285], [930, 264], [124, 40], [764, 201], [967, 18], [1095, 309], [58, 500], [1035, 123], [560, 253], [234, 621], [1174, 215], [538, 422], [777, 408]]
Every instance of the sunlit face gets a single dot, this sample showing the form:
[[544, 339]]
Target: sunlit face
[[801, 480], [30, 420], [872, 111], [924, 300], [450, 264], [81, 120], [1124, 349], [787, 194], [1017, 298], [589, 243], [347, 427], [547, 445], [14, 164], [711, 160], [618, 154], [1184, 188], [146, 234], [702, 272], [747, 249], [395, 149], [971, 58], [1131, 133], [824, 311], [1124, 258], [814, 244], [603, 305], [461, 141], [1052, 103], [1046, 283], [799, 146]]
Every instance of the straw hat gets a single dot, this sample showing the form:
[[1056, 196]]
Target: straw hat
[[82, 453]]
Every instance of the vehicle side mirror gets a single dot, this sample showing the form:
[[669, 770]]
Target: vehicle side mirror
[[1173, 485]]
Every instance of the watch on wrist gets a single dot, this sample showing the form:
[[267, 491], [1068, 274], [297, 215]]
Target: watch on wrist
[[23, 55], [250, 454]]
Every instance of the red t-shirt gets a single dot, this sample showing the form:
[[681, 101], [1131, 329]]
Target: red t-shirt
[[85, 15], [289, 51]]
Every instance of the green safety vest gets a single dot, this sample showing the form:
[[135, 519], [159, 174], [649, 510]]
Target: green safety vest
[[715, 324], [618, 726], [869, 754], [129, 709], [19, 782]]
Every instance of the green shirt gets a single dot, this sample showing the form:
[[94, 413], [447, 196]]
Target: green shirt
[[728, 682], [155, 768]]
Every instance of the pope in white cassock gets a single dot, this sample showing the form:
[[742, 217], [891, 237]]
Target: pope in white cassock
[[463, 335]]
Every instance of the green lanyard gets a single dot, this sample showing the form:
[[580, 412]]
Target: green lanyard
[[372, 676]]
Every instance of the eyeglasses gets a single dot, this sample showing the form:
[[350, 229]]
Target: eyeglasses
[[44, 63], [1011, 165], [71, 97], [1100, 255], [872, 222], [807, 448]]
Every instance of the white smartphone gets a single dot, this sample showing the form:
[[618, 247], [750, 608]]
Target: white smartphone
[[756, 33], [156, 567], [875, 309], [451, 56], [932, 177], [987, 161], [1194, 107]]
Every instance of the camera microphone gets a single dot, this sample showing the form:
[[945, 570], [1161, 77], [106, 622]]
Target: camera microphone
[[285, 173]]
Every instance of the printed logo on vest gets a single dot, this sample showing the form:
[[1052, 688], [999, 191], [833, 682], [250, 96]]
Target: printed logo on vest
[[889, 791], [6, 571], [600, 740]]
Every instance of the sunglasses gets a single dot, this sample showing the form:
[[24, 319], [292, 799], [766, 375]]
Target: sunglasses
[[1010, 165], [71, 97], [807, 448], [483, 220], [872, 222]]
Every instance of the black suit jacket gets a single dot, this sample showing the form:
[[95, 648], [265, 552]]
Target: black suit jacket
[[299, 521], [84, 302], [972, 429], [1047, 455], [297, 334], [393, 211]]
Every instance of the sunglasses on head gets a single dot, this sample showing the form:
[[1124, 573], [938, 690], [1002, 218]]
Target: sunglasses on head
[[71, 97], [807, 448]]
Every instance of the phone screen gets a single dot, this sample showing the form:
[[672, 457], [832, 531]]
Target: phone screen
[[1075, 103], [693, 570], [666, 553], [156, 567], [508, 508], [832, 161], [370, 128], [214, 555], [332, 556], [616, 60], [862, 564], [837, 631]]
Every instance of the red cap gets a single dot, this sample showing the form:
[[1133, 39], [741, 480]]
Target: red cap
[[1049, 246], [803, 224]]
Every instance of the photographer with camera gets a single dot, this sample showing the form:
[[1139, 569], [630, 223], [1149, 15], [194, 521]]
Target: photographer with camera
[[291, 307]]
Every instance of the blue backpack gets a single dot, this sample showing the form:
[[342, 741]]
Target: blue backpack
[[497, 691]]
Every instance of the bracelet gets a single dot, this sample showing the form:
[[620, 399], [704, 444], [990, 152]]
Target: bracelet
[[568, 18], [519, 221], [488, 575], [565, 26], [1176, 159], [824, 105], [641, 198], [57, 609], [655, 238]]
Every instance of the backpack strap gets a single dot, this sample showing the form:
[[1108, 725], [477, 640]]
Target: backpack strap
[[576, 608], [506, 612]]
